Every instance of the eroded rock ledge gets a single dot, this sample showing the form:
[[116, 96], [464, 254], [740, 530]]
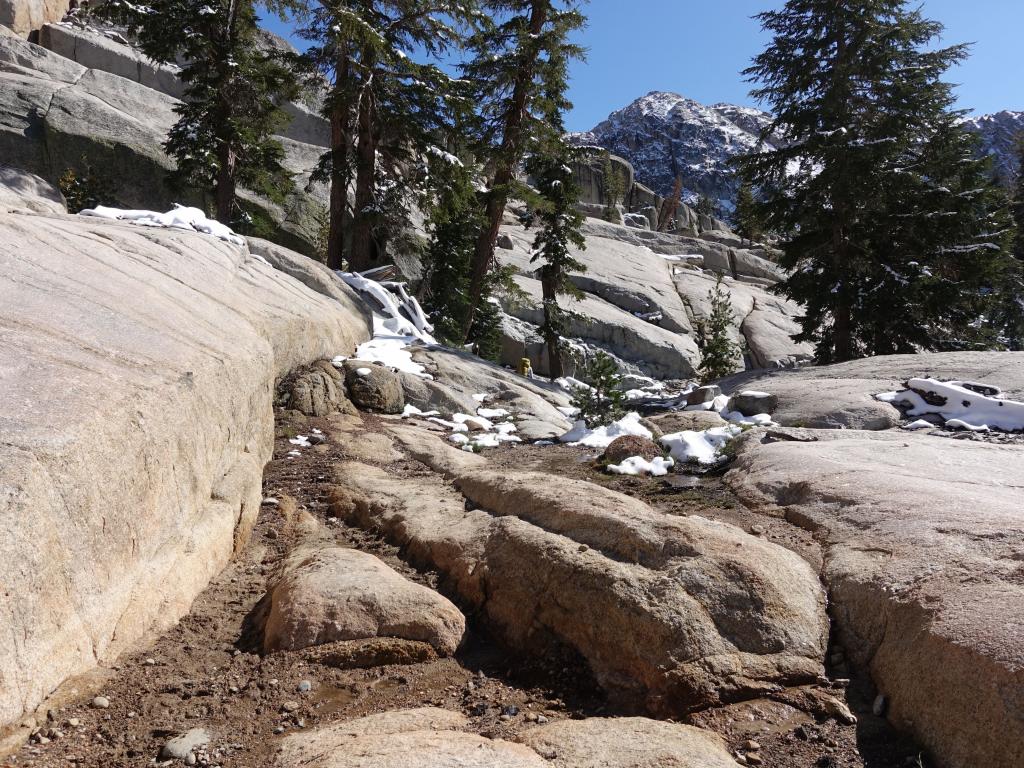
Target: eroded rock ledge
[[137, 370]]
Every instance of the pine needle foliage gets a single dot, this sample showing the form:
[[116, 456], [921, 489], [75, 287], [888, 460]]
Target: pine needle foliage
[[719, 353], [893, 235], [603, 401], [233, 88]]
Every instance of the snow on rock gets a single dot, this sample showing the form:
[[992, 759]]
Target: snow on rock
[[412, 410], [960, 404], [179, 217], [700, 447], [398, 322], [638, 465], [919, 424], [602, 437]]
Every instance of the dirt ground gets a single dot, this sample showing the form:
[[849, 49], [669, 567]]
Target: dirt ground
[[208, 672]]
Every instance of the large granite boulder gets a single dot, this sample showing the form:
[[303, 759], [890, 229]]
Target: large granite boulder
[[671, 614], [28, 193], [327, 594], [137, 373], [55, 112], [923, 540], [842, 396]]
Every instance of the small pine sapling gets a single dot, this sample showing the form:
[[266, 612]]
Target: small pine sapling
[[718, 351], [603, 401]]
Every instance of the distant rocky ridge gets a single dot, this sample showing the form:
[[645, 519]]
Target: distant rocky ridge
[[665, 135]]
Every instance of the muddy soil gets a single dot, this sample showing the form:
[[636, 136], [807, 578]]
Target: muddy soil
[[208, 671]]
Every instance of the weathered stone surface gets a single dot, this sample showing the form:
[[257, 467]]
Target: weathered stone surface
[[458, 376], [315, 391], [330, 594], [670, 613], [137, 368], [653, 350], [54, 112], [23, 17], [403, 739], [764, 322], [702, 395], [692, 421], [924, 540], [622, 448], [842, 395], [26, 192], [753, 403], [373, 387], [627, 742], [182, 746]]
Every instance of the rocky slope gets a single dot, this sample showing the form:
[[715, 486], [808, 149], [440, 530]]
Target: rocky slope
[[137, 370], [665, 135]]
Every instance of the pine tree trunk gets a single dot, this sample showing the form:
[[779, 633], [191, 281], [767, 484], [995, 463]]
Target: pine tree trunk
[[225, 191], [842, 333], [339, 167], [551, 338], [509, 155], [362, 256]]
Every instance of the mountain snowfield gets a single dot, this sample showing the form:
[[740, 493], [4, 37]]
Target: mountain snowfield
[[665, 135]]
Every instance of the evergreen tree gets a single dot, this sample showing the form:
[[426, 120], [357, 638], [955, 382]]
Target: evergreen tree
[[603, 401], [719, 353], [892, 236], [518, 53], [560, 227], [223, 137], [706, 206], [745, 218], [1008, 317], [384, 108], [614, 188]]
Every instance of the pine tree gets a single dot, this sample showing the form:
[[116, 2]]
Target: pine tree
[[560, 228], [745, 217], [1008, 316], [614, 188], [706, 206], [513, 54], [385, 110], [603, 401], [892, 236], [719, 353], [224, 135]]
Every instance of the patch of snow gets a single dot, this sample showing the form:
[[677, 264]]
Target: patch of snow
[[481, 397], [700, 447], [179, 217], [638, 465], [492, 413], [301, 440], [568, 411], [363, 372], [757, 420], [453, 426], [473, 422], [412, 410], [718, 404], [961, 424], [959, 404], [919, 424], [602, 437], [458, 438]]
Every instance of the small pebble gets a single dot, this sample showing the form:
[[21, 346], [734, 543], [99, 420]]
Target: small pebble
[[73, 722], [752, 745], [305, 686], [878, 707], [541, 719], [100, 702], [279, 729], [150, 662], [753, 758], [290, 706], [190, 758], [757, 530]]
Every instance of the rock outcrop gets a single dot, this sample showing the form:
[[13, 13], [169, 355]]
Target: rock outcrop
[[27, 193], [137, 368], [842, 396], [55, 112], [923, 541], [329, 594], [670, 613], [23, 17]]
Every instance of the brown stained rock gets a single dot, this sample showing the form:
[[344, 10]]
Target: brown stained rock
[[624, 447], [373, 387], [327, 594], [317, 390]]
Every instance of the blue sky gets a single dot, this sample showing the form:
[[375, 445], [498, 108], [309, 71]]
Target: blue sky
[[697, 48]]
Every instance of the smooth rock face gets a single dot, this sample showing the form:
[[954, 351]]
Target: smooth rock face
[[26, 192], [843, 395], [627, 742], [670, 613], [137, 371], [458, 376], [327, 594], [403, 739], [23, 17], [373, 387], [54, 111], [925, 540]]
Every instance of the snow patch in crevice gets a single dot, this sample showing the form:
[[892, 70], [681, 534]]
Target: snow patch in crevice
[[179, 217], [960, 404]]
